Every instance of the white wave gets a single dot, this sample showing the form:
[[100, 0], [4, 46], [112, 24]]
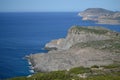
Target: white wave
[[32, 71]]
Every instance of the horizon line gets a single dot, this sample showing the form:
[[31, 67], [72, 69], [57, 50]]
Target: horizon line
[[35, 11]]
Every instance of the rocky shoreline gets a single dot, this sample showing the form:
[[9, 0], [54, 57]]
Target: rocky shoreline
[[101, 16], [76, 50]]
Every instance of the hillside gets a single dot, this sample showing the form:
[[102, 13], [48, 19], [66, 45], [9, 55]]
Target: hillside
[[83, 46], [102, 16], [110, 72], [86, 53]]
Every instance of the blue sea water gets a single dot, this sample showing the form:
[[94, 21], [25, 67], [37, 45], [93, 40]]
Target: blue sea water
[[26, 33]]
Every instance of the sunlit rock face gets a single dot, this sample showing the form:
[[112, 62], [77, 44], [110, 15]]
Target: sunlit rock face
[[83, 46], [75, 35]]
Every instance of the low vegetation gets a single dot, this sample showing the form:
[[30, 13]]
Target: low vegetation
[[112, 45], [94, 66], [112, 66], [96, 30], [79, 70], [110, 72]]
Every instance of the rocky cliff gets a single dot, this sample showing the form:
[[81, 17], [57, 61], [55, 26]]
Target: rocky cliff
[[83, 46], [100, 15], [77, 35]]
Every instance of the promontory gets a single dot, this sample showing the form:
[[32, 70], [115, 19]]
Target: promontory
[[101, 16], [83, 46]]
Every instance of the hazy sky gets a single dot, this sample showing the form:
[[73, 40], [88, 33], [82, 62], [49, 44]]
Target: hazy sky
[[56, 5]]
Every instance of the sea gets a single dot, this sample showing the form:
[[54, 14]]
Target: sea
[[25, 33]]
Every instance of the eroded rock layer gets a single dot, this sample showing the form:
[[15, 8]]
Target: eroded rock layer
[[83, 46]]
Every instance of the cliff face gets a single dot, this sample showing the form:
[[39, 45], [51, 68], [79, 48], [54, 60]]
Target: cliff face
[[83, 46], [100, 15], [77, 35]]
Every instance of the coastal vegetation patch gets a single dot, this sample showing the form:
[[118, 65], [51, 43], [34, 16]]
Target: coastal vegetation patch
[[110, 72], [96, 30]]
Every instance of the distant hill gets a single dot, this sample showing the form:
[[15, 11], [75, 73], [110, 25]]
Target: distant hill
[[102, 16], [98, 11]]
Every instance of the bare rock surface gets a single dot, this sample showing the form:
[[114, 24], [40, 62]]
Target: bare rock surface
[[76, 35], [63, 60], [83, 46]]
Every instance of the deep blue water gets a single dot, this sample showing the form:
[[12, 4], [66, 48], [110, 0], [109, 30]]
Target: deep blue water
[[25, 33]]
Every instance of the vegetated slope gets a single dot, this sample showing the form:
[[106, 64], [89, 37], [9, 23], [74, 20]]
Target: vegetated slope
[[110, 72]]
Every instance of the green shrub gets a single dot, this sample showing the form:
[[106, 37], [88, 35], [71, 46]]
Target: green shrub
[[112, 66], [104, 77], [94, 66], [54, 75], [72, 74], [79, 70]]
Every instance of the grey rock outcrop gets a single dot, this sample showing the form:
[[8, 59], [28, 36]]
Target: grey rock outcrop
[[81, 47], [75, 36], [64, 60]]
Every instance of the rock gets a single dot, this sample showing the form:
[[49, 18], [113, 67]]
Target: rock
[[63, 60], [75, 35], [55, 44], [67, 55], [84, 75], [29, 76]]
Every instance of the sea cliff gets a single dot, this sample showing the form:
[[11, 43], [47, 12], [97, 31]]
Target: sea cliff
[[83, 46], [101, 16]]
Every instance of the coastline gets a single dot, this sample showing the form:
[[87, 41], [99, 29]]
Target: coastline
[[81, 42], [101, 16], [26, 64], [30, 63]]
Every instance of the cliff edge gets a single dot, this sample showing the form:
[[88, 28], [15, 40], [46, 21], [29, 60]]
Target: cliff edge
[[83, 46]]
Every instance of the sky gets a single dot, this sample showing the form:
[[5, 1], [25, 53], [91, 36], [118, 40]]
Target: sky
[[56, 5]]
